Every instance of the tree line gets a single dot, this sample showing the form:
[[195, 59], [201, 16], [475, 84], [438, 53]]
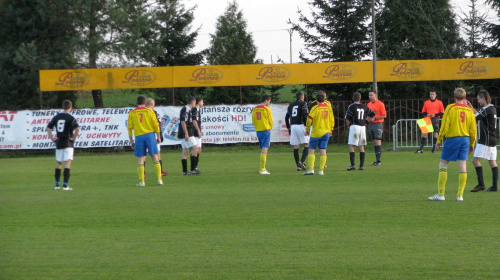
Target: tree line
[[54, 34]]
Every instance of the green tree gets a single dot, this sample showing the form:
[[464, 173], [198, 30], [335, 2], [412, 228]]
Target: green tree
[[36, 34], [417, 29], [493, 29], [231, 44], [473, 24], [110, 29], [336, 31], [169, 43]]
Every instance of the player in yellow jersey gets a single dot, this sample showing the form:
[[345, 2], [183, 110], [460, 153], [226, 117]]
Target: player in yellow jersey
[[143, 124], [459, 128], [321, 119], [262, 119]]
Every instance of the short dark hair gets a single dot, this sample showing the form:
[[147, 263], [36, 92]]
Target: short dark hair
[[320, 97], [323, 93], [141, 100], [265, 97], [198, 99], [66, 104], [356, 96], [191, 99], [486, 95], [299, 94]]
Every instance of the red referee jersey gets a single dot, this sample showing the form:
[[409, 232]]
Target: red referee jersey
[[433, 107]]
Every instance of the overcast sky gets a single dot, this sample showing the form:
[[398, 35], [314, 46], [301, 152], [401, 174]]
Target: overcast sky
[[267, 21]]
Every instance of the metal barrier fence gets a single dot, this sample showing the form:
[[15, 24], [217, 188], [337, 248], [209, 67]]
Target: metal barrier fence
[[406, 134]]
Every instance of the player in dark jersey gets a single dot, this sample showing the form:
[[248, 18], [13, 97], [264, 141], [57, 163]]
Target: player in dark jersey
[[296, 119], [186, 134], [196, 113], [67, 130], [355, 118], [486, 147]]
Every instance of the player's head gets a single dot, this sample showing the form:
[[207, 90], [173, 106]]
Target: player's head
[[484, 97], [459, 94], [150, 103], [299, 95], [191, 101], [265, 99], [373, 96], [141, 100], [432, 95], [67, 105], [320, 97], [323, 93], [199, 102], [356, 97]]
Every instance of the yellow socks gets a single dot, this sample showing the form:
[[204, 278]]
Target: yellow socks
[[140, 171], [157, 167], [263, 160], [311, 158], [443, 177], [322, 162], [462, 179]]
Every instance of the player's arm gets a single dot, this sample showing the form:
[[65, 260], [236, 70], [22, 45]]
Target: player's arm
[[184, 128], [310, 119], [332, 119], [51, 136], [197, 127], [130, 129], [287, 121], [270, 115], [76, 132]]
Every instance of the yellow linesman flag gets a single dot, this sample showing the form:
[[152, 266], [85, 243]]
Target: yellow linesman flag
[[425, 125]]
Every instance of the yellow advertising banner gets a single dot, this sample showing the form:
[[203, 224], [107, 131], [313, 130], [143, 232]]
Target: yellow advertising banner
[[269, 74]]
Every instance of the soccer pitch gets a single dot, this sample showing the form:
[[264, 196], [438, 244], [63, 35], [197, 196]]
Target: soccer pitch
[[232, 223]]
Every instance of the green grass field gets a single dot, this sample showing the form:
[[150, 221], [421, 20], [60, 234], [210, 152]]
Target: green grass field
[[231, 223]]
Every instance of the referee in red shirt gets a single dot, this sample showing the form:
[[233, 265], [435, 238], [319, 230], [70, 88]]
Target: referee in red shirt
[[434, 109]]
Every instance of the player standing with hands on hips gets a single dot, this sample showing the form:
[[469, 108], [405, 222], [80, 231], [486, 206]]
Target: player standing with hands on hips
[[459, 128], [67, 130], [143, 124], [295, 119], [376, 124], [262, 119], [486, 143]]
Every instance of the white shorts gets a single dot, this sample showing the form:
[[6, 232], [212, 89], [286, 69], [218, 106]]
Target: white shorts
[[63, 155], [357, 135], [188, 144], [298, 135], [198, 142], [485, 152]]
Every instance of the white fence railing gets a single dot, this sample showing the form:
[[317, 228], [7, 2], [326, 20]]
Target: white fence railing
[[406, 134]]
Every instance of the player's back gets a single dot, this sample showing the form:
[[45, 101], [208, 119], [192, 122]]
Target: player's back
[[262, 118], [142, 120], [357, 113], [298, 112], [321, 119], [459, 120]]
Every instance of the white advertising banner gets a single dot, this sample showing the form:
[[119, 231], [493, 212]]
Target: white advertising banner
[[107, 127]]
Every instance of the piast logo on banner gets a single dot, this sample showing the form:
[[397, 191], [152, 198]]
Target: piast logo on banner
[[206, 75], [273, 74], [408, 70], [73, 79], [474, 68], [340, 72], [139, 77]]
